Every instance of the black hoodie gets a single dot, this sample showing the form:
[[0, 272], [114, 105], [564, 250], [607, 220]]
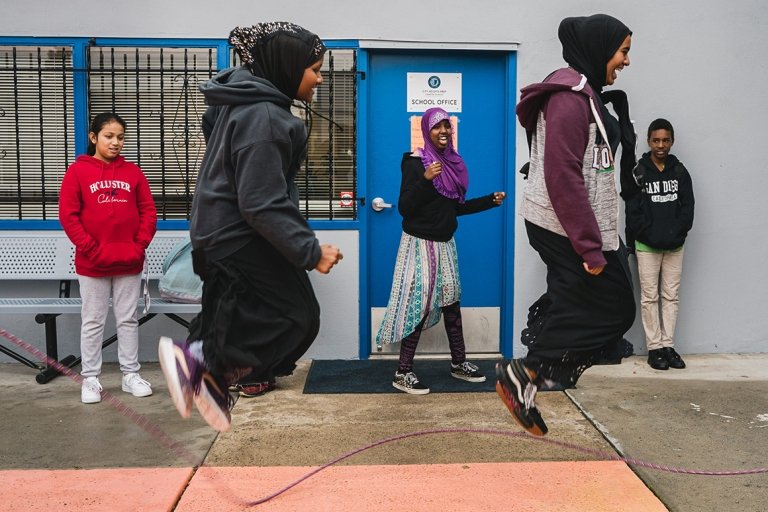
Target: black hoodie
[[245, 187], [660, 214]]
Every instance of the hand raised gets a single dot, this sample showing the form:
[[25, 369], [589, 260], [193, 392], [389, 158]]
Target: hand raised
[[433, 170]]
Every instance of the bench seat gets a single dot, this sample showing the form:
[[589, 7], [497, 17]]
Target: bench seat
[[72, 306]]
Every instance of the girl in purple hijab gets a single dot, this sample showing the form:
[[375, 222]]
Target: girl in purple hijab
[[426, 282], [453, 180]]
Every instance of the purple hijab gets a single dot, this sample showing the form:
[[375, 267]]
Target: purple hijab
[[453, 181]]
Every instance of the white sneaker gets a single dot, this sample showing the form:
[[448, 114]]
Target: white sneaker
[[90, 393], [135, 385]]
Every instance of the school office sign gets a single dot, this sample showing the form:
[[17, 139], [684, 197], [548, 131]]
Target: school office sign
[[427, 90]]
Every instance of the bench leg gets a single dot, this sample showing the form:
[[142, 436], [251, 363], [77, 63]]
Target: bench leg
[[176, 318], [23, 360], [49, 373]]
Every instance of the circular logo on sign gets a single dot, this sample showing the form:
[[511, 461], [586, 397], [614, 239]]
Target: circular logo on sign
[[434, 82]]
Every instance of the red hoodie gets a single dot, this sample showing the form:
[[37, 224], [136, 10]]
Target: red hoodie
[[108, 213]]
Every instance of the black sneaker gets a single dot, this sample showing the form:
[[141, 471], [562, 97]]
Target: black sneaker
[[467, 371], [214, 402], [673, 358], [617, 352], [514, 384], [409, 383], [656, 359]]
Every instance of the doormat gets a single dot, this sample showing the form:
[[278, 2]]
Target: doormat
[[335, 376]]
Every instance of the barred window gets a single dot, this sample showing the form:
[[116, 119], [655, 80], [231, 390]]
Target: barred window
[[155, 89], [36, 129], [329, 172]]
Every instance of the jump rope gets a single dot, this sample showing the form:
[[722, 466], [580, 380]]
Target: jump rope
[[156, 432]]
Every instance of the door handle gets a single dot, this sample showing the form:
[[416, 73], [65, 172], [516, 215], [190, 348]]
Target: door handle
[[378, 204]]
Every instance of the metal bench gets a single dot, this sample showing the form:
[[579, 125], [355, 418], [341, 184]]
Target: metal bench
[[49, 256]]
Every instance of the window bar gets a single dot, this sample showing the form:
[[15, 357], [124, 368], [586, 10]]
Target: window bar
[[188, 192], [101, 68], [331, 174], [162, 135], [89, 77], [304, 195], [64, 105], [18, 135], [40, 119], [354, 137], [112, 73], [124, 75], [138, 111]]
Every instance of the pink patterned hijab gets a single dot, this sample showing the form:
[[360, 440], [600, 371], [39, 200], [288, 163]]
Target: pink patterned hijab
[[453, 181]]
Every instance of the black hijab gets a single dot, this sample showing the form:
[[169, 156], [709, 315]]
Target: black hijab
[[589, 42], [277, 51]]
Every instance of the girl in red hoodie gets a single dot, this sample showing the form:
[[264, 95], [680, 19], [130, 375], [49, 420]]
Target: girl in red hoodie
[[107, 211]]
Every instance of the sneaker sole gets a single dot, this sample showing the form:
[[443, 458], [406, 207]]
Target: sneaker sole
[[95, 401], [469, 379], [210, 410], [140, 394], [166, 354], [510, 402], [410, 391], [252, 395]]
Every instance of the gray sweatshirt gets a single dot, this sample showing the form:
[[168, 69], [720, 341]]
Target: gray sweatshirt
[[571, 188], [245, 187]]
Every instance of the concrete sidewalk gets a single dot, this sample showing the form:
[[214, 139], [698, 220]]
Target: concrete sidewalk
[[56, 453], [711, 416]]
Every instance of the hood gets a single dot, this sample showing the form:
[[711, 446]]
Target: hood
[[99, 165], [533, 96], [238, 86]]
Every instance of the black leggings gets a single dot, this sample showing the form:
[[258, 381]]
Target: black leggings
[[454, 329]]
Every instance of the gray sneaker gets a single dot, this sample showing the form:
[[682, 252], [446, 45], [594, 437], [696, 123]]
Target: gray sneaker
[[409, 383]]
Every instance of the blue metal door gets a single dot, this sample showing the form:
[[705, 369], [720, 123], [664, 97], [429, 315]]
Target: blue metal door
[[485, 136]]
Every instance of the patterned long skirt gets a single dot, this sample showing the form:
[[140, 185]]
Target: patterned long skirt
[[426, 278]]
